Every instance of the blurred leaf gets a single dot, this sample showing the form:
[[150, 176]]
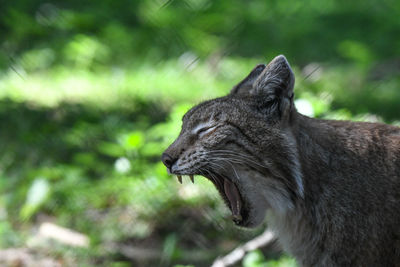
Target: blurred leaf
[[85, 159], [84, 50], [152, 149], [356, 51], [134, 140], [169, 248], [282, 262], [37, 59], [110, 149], [36, 196], [9, 237], [254, 258]]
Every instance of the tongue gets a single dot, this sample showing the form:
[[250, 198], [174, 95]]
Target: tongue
[[232, 193]]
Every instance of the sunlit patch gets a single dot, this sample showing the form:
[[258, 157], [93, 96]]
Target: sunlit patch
[[304, 107]]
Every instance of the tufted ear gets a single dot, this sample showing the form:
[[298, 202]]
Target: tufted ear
[[245, 86], [275, 85]]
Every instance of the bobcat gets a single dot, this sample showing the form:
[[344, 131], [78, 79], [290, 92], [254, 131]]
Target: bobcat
[[329, 189]]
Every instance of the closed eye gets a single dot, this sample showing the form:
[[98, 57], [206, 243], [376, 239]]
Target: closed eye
[[204, 130]]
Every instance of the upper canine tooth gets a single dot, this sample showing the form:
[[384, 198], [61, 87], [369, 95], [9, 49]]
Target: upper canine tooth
[[179, 178], [191, 178]]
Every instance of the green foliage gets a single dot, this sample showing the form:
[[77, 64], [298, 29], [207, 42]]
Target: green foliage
[[91, 93], [36, 196], [254, 258], [283, 262]]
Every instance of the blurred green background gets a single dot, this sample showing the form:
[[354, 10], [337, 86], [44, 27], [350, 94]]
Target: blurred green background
[[92, 92]]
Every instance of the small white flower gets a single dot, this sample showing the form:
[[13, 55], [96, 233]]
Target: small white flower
[[122, 165]]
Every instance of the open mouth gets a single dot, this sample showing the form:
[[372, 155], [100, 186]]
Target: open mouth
[[230, 194]]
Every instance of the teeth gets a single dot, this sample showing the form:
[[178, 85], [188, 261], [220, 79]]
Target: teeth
[[180, 178], [237, 218]]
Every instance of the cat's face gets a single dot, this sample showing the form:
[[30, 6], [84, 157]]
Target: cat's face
[[232, 142], [209, 145]]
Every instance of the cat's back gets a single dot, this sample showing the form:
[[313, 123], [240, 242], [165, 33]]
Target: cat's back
[[375, 145]]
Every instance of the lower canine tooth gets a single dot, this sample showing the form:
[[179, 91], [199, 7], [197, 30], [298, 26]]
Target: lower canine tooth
[[237, 218], [191, 178], [179, 178]]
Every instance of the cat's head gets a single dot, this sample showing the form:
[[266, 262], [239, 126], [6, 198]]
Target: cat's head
[[242, 144]]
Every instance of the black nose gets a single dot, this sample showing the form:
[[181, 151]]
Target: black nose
[[167, 160]]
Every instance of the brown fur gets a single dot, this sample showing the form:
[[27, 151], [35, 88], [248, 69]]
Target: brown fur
[[331, 189]]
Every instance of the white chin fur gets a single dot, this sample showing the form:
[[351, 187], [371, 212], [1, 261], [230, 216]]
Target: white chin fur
[[262, 194]]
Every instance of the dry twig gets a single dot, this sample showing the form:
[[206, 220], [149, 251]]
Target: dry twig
[[238, 253]]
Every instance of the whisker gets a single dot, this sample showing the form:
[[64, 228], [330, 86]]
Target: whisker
[[244, 161], [234, 170], [231, 154]]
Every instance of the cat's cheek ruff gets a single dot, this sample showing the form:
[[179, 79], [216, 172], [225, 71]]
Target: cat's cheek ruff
[[262, 194]]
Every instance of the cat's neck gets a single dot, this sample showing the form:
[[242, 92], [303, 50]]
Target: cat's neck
[[322, 150], [329, 153], [329, 150]]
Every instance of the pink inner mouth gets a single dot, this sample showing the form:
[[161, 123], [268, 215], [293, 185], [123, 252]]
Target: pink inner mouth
[[232, 193]]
